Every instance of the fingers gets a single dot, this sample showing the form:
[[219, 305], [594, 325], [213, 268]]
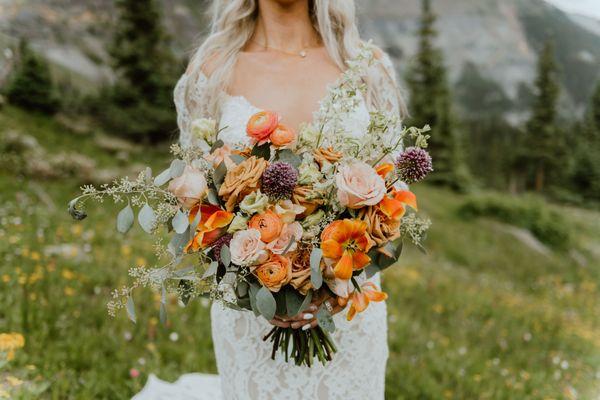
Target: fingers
[[305, 325], [280, 323]]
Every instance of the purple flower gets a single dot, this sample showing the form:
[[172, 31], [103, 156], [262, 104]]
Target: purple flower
[[279, 180], [414, 164], [219, 243]]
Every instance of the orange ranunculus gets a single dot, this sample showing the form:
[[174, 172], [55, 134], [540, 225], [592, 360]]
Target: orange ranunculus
[[384, 169], [393, 207], [269, 224], [275, 273], [282, 136], [261, 125], [359, 301], [346, 242], [212, 225]]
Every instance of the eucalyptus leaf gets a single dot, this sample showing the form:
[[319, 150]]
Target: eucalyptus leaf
[[213, 198], [237, 159], [325, 320], [211, 270], [225, 255], [147, 218], [177, 167], [288, 156], [178, 243], [125, 219], [253, 291], [163, 177], [242, 289], [217, 145], [74, 212], [281, 304], [266, 304], [293, 302], [371, 270], [130, 307], [316, 278], [262, 151], [163, 314], [219, 175], [306, 301], [148, 175], [180, 222]]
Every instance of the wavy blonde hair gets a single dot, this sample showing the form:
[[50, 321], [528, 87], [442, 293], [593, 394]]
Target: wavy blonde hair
[[233, 24]]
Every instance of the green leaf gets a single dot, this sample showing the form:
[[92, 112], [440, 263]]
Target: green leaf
[[163, 314], [163, 177], [262, 151], [315, 268], [180, 222], [237, 159], [254, 288], [325, 320], [219, 175], [130, 307], [293, 301], [185, 288], [265, 303], [178, 243], [217, 145], [74, 212], [281, 304], [371, 270], [213, 198], [125, 219], [147, 218], [288, 156], [225, 255], [242, 289], [176, 169], [211, 270], [306, 301], [148, 175]]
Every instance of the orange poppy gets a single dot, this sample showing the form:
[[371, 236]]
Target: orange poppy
[[359, 301], [393, 207], [347, 242], [213, 220]]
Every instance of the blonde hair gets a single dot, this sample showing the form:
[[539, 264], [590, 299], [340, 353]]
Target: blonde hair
[[233, 24]]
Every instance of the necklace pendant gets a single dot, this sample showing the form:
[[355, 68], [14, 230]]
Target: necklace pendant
[[303, 53]]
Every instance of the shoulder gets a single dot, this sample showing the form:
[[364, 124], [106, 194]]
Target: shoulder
[[207, 66]]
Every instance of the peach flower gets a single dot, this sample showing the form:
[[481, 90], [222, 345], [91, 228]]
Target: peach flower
[[359, 185], [269, 225], [275, 273], [283, 136], [261, 125], [242, 180], [222, 154], [359, 300], [288, 211], [246, 248], [190, 187], [301, 269], [212, 225], [290, 232]]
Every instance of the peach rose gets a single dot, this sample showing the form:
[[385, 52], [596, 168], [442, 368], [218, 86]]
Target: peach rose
[[246, 248], [222, 154], [190, 187], [242, 180], [301, 269], [290, 232], [261, 125], [268, 224], [359, 185], [288, 211], [283, 136], [275, 273]]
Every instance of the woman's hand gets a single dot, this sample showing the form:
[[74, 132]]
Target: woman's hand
[[308, 319]]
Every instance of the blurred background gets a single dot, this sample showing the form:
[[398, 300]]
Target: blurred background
[[505, 304]]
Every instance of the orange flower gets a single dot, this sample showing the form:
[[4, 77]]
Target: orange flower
[[384, 169], [359, 301], [275, 273], [282, 136], [213, 220], [261, 125], [393, 207], [347, 242], [269, 224]]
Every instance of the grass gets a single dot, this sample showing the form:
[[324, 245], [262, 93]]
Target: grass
[[482, 316]]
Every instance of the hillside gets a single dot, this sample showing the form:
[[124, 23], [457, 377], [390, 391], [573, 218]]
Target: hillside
[[499, 39]]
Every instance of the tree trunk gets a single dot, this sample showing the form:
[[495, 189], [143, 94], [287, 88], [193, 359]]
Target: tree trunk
[[540, 175]]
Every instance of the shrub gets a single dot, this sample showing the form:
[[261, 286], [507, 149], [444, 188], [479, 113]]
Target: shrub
[[526, 212]]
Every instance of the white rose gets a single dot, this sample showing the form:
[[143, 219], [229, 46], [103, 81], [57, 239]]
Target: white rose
[[359, 185], [289, 232], [254, 203], [247, 249], [308, 173], [204, 129], [190, 187]]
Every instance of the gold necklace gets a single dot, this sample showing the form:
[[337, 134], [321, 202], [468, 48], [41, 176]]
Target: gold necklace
[[302, 53]]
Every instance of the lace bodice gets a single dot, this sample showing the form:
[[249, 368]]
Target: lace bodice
[[245, 366]]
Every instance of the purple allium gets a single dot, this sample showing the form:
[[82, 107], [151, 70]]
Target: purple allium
[[414, 164], [219, 243], [279, 180]]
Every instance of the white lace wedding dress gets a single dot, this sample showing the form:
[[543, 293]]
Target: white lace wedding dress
[[246, 370]]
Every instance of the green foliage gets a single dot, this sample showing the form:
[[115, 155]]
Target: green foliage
[[526, 212], [140, 104], [478, 95], [430, 103], [31, 87]]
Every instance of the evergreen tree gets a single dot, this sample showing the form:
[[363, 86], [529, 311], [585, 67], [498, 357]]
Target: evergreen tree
[[141, 100], [31, 87], [430, 103], [543, 140]]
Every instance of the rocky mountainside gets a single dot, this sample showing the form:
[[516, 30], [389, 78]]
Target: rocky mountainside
[[497, 39]]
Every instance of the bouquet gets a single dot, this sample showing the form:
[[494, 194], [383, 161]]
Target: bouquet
[[285, 218]]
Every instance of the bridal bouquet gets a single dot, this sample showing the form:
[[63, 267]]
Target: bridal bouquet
[[273, 224]]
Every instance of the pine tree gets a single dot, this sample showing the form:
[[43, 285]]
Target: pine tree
[[543, 137], [141, 99], [430, 103], [594, 110], [31, 87]]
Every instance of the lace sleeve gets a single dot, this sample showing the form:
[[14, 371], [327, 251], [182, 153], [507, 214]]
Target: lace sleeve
[[187, 97]]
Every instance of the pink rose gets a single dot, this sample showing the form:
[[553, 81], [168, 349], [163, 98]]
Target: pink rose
[[359, 185], [247, 249], [222, 154], [289, 232], [190, 187]]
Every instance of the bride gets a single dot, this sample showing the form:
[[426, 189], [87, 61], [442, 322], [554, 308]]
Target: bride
[[285, 56]]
